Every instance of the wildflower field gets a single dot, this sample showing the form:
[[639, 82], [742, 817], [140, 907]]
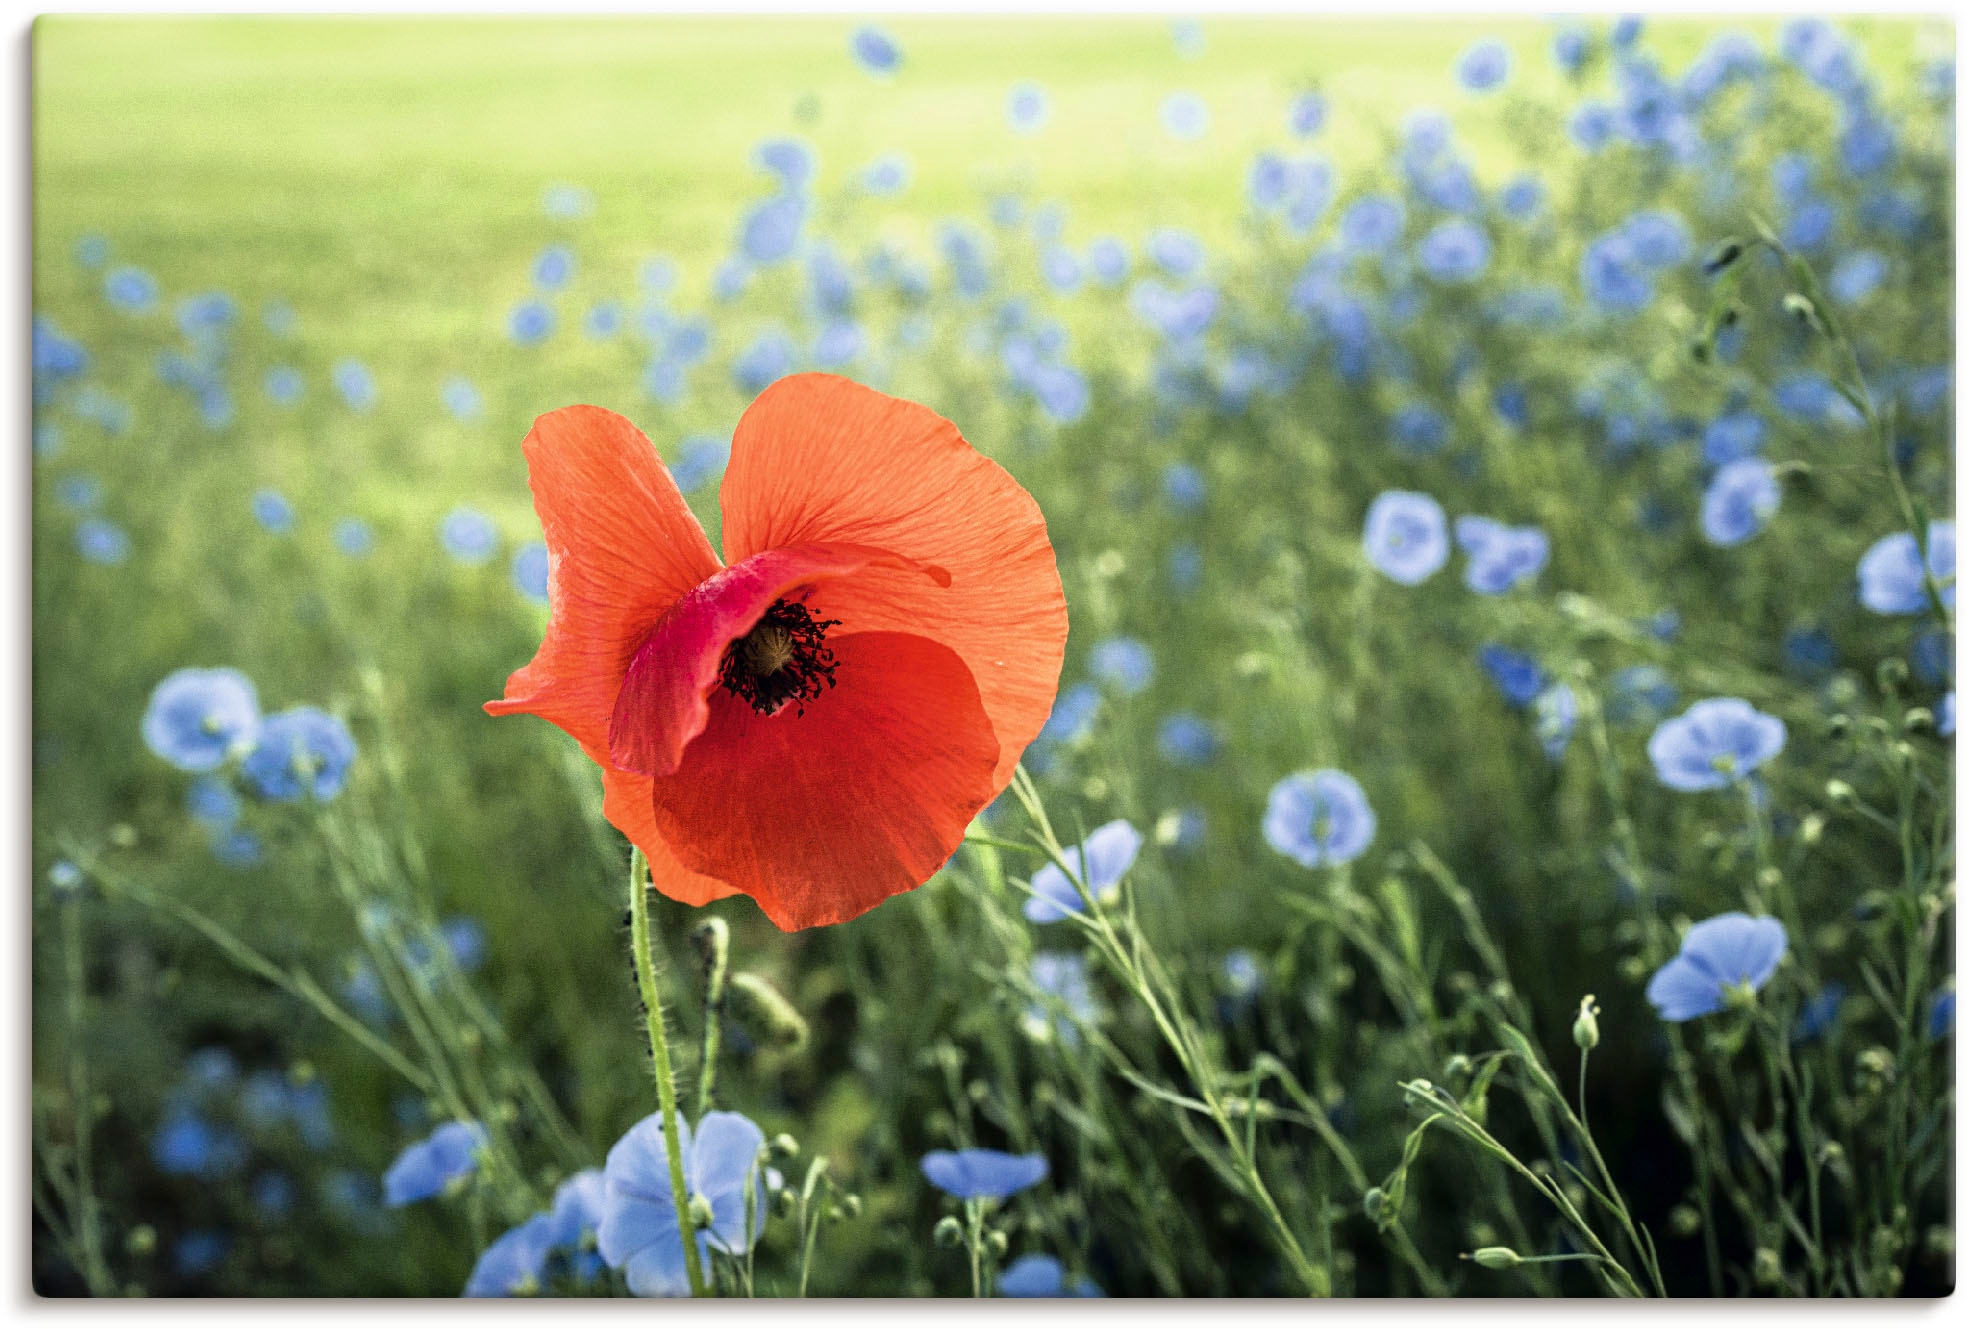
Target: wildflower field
[[1454, 677]]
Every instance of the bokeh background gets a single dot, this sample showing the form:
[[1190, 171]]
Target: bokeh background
[[300, 287]]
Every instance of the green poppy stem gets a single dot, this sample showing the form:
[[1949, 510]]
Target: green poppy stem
[[659, 1046]]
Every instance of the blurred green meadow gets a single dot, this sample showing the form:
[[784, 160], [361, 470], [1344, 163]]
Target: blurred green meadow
[[301, 286]]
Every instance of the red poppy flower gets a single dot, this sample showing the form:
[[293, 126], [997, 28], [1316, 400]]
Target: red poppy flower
[[815, 724]]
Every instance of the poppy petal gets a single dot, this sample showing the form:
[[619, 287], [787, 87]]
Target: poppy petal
[[622, 548], [822, 816], [626, 803], [820, 459], [661, 705]]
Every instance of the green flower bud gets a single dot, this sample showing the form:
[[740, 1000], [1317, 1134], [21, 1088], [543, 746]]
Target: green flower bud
[[1765, 1269], [998, 1242], [1585, 1026], [701, 1215], [1918, 720], [948, 1232], [1800, 307], [1373, 1202], [784, 1203], [1684, 1220], [142, 1239], [765, 1014], [851, 1205], [1496, 1257], [123, 836], [783, 1145], [1839, 793]]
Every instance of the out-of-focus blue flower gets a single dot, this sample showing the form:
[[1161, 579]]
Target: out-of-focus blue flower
[[1592, 125], [765, 361], [982, 1174], [187, 1145], [1523, 198], [66, 878], [92, 251], [212, 802], [1820, 53], [1714, 744], [1178, 315], [1500, 556], [1187, 740], [564, 202], [887, 175], [788, 160], [1100, 863], [1185, 116], [1732, 437], [514, 1265], [1518, 677], [199, 1252], [1185, 567], [770, 232], [838, 343], [1061, 977], [272, 510], [469, 536], [282, 385], [273, 1195], [1740, 501], [1941, 1014], [1317, 818], [554, 268], [1639, 693], [1890, 571], [1484, 67], [1945, 715], [1125, 663], [462, 399], [639, 1232], [1812, 399], [602, 321], [102, 541], [1657, 238], [1406, 537], [1857, 275], [1062, 392], [238, 848], [1809, 652], [1867, 147], [197, 718], [1613, 276], [1810, 227], [1720, 956], [1184, 486], [1072, 717], [1372, 224], [1817, 1016], [1554, 712], [353, 537], [79, 491], [1026, 107], [1043, 1276], [700, 461], [1456, 251], [131, 290], [56, 356], [211, 312], [303, 752], [1570, 47], [355, 384], [1176, 252], [1306, 116], [875, 50], [530, 567], [531, 322], [434, 1164]]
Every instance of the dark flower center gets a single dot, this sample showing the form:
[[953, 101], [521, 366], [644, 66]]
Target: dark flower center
[[784, 658]]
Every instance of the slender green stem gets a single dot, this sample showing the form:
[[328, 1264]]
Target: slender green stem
[[81, 1101], [659, 1046], [974, 1238]]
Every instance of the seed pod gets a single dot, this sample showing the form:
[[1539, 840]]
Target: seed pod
[[1585, 1027], [764, 1012], [1497, 1257]]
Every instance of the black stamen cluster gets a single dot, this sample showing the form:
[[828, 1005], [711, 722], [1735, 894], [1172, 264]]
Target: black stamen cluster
[[808, 668]]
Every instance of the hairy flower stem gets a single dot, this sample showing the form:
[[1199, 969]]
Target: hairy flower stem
[[659, 1046]]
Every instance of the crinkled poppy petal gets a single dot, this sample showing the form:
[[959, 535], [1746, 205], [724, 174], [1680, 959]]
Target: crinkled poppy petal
[[622, 548], [661, 705], [822, 816], [626, 799], [818, 458]]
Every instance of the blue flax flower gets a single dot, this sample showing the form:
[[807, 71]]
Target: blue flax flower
[[469, 536], [1740, 501], [530, 567], [1406, 536], [1484, 67], [1100, 864], [1941, 1014], [199, 717], [875, 50], [1500, 556], [639, 1231], [1061, 977], [303, 752], [1720, 957], [1042, 1276], [1185, 739], [1890, 571], [982, 1174], [1456, 251], [449, 1154], [1316, 818], [1518, 677], [1714, 744], [1125, 663]]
